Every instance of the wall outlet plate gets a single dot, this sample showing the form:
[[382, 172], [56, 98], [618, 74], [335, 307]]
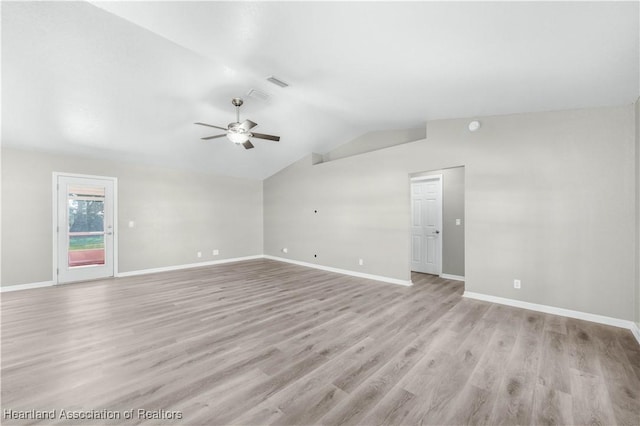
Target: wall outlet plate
[[516, 283], [199, 254], [285, 250], [360, 262], [216, 252]]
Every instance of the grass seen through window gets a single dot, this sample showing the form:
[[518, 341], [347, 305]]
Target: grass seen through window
[[86, 242]]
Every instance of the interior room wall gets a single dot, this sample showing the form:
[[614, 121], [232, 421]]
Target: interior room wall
[[452, 209], [637, 293], [375, 140], [175, 214], [549, 200]]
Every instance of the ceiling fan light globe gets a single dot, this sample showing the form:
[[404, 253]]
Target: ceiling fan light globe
[[238, 138]]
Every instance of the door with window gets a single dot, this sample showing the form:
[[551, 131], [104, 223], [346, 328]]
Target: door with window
[[85, 228]]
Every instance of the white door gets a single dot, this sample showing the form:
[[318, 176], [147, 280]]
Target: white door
[[85, 228], [426, 225]]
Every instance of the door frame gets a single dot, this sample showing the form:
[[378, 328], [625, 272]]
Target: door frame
[[54, 227], [412, 180]]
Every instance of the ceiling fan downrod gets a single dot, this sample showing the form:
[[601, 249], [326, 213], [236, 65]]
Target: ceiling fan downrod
[[237, 102]]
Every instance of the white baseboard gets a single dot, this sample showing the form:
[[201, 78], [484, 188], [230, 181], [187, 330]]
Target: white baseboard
[[26, 286], [134, 273], [635, 329], [219, 262], [601, 319], [186, 266], [452, 277], [407, 283]]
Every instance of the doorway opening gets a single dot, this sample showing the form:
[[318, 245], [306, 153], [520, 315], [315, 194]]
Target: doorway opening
[[437, 224], [84, 227]]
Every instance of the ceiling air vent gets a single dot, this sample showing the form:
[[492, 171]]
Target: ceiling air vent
[[277, 81], [257, 94]]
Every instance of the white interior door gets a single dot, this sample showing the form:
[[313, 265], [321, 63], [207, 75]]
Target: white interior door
[[85, 228], [426, 225]]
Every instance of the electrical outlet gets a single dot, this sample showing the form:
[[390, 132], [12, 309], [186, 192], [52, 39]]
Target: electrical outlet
[[516, 283], [199, 254], [216, 252], [285, 250], [457, 222], [360, 262]]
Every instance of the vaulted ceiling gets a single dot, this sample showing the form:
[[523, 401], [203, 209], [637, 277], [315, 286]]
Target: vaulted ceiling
[[127, 80]]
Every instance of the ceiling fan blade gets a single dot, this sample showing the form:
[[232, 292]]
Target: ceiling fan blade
[[263, 136], [248, 125], [212, 137], [247, 145], [211, 125]]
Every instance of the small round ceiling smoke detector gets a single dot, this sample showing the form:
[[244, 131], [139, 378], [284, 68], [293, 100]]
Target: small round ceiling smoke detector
[[474, 125]]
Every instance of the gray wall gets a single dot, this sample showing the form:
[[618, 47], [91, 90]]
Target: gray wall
[[176, 214], [452, 209], [375, 140], [549, 199], [637, 292]]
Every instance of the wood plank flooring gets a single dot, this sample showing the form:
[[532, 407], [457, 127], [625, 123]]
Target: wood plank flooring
[[263, 342]]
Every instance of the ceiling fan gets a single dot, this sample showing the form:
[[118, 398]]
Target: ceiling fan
[[239, 133]]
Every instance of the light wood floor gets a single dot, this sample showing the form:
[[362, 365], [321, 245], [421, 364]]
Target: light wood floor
[[263, 342]]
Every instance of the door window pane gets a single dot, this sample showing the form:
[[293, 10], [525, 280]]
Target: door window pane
[[86, 225]]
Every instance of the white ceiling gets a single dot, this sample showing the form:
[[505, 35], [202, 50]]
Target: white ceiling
[[126, 80]]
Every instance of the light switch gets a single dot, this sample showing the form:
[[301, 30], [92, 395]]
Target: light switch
[[131, 224], [457, 222]]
